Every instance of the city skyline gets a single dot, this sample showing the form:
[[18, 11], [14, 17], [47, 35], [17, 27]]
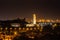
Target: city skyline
[[44, 9]]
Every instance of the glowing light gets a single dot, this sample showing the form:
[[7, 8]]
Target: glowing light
[[6, 28], [10, 28], [6, 39], [35, 28], [23, 28], [43, 20], [15, 33], [19, 28], [15, 24], [34, 19], [1, 28], [29, 25], [54, 25], [52, 21], [39, 20], [27, 28], [48, 20], [31, 37], [31, 28]]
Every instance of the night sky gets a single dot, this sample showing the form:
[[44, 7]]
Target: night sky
[[11, 9]]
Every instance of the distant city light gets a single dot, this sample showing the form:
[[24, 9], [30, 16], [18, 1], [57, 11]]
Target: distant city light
[[29, 25], [34, 27], [34, 18], [15, 32], [15, 24]]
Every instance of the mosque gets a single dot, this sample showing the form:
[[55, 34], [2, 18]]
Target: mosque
[[33, 22], [41, 22]]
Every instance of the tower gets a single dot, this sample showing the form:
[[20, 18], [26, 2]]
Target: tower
[[34, 18]]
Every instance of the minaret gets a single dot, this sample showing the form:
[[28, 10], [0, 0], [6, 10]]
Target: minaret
[[34, 18]]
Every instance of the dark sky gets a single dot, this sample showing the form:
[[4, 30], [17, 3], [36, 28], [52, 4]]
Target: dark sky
[[11, 9]]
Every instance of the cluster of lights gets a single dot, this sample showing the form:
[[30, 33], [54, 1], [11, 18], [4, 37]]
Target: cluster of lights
[[29, 25], [44, 24], [48, 20], [15, 25]]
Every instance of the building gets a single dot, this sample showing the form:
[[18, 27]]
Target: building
[[13, 23]]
